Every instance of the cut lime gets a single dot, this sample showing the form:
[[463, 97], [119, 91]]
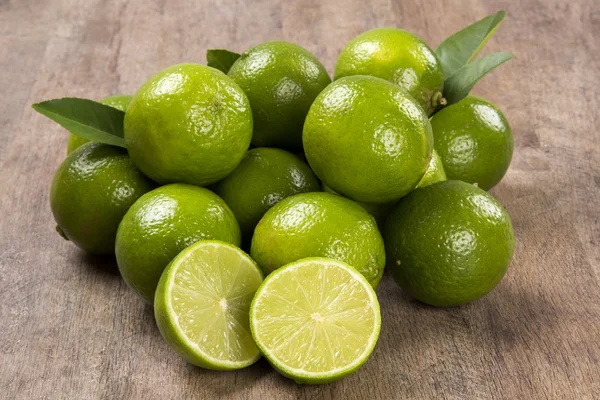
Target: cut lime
[[316, 320], [201, 305]]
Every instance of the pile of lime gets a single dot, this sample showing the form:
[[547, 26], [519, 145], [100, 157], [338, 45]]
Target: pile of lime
[[255, 203]]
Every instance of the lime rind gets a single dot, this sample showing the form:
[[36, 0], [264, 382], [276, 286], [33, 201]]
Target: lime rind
[[177, 333], [302, 375]]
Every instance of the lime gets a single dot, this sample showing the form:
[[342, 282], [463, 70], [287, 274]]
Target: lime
[[448, 243], [378, 211], [367, 139], [316, 320], [92, 190], [202, 303], [161, 224], [474, 141], [435, 171], [190, 124], [119, 101], [264, 177], [397, 56], [318, 225], [281, 80]]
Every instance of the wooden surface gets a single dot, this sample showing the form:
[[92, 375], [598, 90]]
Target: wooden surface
[[70, 328]]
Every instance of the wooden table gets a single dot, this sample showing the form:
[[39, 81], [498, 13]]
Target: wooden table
[[71, 329]]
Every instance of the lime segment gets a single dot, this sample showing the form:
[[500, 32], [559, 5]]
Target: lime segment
[[202, 302], [316, 320]]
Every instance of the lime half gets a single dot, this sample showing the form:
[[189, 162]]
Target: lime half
[[201, 305], [316, 320]]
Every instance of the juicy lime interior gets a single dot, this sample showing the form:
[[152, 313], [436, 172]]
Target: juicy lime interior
[[210, 295], [316, 317]]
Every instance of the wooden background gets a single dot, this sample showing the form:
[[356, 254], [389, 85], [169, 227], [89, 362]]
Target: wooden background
[[70, 328]]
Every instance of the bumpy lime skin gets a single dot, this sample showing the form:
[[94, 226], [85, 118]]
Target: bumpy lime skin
[[474, 141], [367, 139], [281, 80], [448, 243], [319, 225], [264, 177], [92, 190], [161, 224], [435, 171], [119, 101], [188, 124], [397, 56]]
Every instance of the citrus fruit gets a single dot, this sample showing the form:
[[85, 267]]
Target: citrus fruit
[[92, 190], [161, 224], [119, 101], [474, 141], [264, 177], [397, 56], [448, 243], [190, 124], [316, 320], [435, 171], [378, 211], [281, 80], [202, 303], [318, 225], [367, 139]]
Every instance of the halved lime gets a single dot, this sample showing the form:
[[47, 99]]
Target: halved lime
[[316, 320], [201, 305]]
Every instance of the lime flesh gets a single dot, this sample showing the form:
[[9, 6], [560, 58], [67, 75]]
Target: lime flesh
[[202, 302], [316, 320]]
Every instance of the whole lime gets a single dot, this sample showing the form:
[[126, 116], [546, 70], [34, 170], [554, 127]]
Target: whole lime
[[448, 243], [367, 139], [189, 123], [281, 80], [474, 141], [264, 177], [161, 224], [397, 56], [318, 225], [435, 171], [92, 190], [119, 101]]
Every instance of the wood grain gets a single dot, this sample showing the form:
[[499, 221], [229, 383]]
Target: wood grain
[[69, 327]]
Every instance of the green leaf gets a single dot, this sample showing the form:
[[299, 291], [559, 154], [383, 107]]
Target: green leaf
[[457, 87], [86, 118], [463, 46], [221, 59]]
